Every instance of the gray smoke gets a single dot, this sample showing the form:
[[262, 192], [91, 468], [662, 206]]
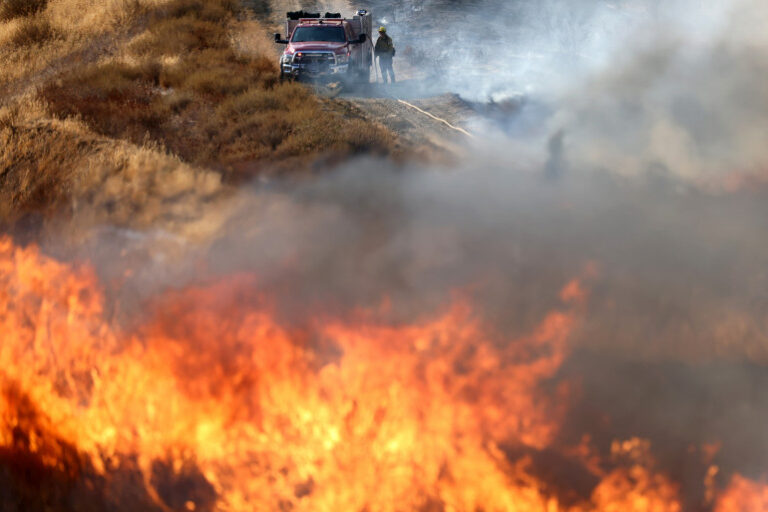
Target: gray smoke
[[638, 151], [684, 100], [630, 87], [680, 270]]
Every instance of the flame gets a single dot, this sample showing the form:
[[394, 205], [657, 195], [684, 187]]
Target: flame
[[635, 488], [743, 495], [333, 415]]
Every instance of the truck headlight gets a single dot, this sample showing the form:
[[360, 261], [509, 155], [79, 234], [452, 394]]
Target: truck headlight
[[342, 58]]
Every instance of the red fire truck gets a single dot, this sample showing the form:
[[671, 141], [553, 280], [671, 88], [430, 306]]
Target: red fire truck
[[327, 47]]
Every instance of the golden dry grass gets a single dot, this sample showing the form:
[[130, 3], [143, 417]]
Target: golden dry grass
[[81, 28], [10, 9], [283, 123], [142, 111], [55, 168], [33, 32], [188, 84]]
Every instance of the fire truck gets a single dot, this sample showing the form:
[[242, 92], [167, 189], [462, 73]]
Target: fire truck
[[327, 47]]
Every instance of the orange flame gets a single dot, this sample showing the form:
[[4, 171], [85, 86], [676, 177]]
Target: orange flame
[[743, 495], [333, 416]]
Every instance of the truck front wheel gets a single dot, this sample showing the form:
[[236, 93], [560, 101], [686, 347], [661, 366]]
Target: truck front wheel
[[364, 75]]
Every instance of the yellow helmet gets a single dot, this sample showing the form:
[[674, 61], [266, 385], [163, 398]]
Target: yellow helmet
[[382, 29]]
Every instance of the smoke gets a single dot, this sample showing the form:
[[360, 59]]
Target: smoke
[[684, 100], [643, 124], [629, 87], [678, 272], [634, 162], [493, 49], [672, 344]]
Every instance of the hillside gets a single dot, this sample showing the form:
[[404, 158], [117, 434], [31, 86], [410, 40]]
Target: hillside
[[140, 112]]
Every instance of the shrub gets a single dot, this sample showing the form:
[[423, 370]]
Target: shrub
[[285, 97], [57, 169], [33, 31], [188, 25], [38, 162], [219, 82], [365, 137], [10, 9], [104, 81], [114, 99], [177, 36], [217, 72], [216, 11], [177, 101], [249, 103], [285, 122]]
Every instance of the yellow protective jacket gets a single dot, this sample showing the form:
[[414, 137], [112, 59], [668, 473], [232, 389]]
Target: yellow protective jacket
[[384, 47]]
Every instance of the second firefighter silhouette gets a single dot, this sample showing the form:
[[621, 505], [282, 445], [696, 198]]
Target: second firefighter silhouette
[[385, 51]]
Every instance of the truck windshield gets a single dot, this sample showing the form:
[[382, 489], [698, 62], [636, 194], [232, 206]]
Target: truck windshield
[[325, 34]]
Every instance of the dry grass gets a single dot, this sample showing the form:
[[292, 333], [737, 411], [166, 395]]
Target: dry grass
[[252, 38], [180, 35], [218, 72], [35, 175], [114, 99], [144, 187], [52, 167], [283, 122], [82, 30], [216, 11], [193, 86], [33, 32], [10, 9], [146, 110], [82, 19]]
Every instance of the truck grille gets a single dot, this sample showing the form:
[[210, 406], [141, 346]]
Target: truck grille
[[315, 62]]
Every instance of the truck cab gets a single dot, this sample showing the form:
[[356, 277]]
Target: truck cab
[[327, 47]]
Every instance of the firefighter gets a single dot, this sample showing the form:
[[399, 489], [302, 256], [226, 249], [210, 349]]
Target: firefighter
[[385, 51]]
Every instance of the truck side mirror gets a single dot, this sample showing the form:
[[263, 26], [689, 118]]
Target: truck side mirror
[[363, 38], [279, 40]]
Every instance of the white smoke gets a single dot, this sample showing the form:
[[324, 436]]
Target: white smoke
[[684, 98], [607, 168], [632, 88]]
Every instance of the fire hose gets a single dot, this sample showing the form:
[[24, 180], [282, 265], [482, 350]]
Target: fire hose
[[438, 119], [422, 111]]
